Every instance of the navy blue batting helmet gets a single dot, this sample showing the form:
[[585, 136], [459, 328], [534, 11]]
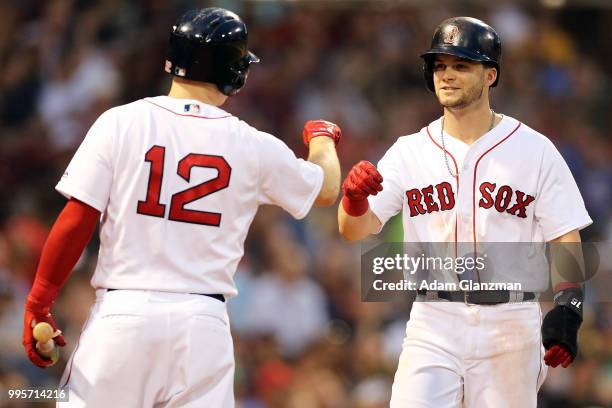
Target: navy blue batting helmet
[[463, 37], [210, 45]]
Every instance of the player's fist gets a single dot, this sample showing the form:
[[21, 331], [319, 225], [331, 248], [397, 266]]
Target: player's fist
[[320, 127], [363, 180], [34, 314]]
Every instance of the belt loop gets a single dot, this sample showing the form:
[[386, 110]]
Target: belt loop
[[100, 293], [466, 295]]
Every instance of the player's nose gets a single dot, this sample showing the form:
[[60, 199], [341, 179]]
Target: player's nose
[[448, 75]]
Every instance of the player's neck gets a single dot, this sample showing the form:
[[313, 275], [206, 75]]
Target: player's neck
[[470, 123], [201, 91]]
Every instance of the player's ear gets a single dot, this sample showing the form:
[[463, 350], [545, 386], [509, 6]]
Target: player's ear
[[490, 75]]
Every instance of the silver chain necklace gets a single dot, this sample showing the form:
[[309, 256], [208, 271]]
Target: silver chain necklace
[[445, 152]]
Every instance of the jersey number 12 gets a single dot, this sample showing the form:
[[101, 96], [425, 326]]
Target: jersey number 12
[[152, 206]]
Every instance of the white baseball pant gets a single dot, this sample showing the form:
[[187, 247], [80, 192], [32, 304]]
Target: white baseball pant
[[472, 356], [152, 349]]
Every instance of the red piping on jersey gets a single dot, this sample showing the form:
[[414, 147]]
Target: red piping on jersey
[[474, 186], [456, 180], [74, 353], [189, 116], [540, 350]]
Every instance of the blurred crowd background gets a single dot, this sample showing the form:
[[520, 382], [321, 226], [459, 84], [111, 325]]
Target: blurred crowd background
[[302, 336]]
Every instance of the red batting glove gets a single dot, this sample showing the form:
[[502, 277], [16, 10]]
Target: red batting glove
[[363, 180], [556, 355], [320, 127], [36, 313]]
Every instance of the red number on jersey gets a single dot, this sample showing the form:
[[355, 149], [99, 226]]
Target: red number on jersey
[[177, 205], [153, 207]]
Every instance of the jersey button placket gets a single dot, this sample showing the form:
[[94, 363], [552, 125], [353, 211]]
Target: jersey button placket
[[464, 214], [467, 168]]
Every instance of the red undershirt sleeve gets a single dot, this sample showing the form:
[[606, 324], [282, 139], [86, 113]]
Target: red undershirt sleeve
[[65, 244]]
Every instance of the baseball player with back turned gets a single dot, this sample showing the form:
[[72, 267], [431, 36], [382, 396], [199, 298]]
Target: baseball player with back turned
[[175, 182], [472, 176]]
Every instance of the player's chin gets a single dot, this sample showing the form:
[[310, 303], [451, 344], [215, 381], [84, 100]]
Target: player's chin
[[449, 102]]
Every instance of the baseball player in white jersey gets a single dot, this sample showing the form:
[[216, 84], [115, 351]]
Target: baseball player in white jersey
[[175, 182], [473, 176]]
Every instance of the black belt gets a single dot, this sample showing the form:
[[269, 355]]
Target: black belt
[[478, 297], [217, 296]]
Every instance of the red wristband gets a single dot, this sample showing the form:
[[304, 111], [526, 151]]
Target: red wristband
[[355, 208], [41, 296], [566, 285]]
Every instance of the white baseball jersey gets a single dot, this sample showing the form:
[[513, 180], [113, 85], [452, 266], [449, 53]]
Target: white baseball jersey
[[512, 186], [178, 183]]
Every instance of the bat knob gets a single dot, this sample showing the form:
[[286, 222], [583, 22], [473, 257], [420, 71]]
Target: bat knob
[[43, 332]]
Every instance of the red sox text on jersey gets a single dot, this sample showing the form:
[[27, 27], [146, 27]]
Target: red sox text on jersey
[[503, 199]]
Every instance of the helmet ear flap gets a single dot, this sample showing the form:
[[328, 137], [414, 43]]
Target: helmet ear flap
[[428, 68], [234, 77], [235, 84]]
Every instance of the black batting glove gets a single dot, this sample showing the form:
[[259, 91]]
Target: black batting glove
[[560, 328]]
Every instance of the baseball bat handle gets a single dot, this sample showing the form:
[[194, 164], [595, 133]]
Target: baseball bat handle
[[45, 345], [45, 349]]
